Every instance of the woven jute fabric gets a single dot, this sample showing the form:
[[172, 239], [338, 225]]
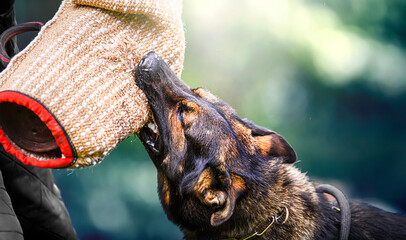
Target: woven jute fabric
[[81, 68]]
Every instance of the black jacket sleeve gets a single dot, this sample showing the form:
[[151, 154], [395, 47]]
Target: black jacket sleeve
[[9, 225], [35, 199], [31, 206]]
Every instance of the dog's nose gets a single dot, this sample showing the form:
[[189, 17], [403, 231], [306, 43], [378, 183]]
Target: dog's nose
[[25, 128], [149, 62], [149, 71]]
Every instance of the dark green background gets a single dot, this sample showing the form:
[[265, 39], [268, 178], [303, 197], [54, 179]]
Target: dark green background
[[327, 75]]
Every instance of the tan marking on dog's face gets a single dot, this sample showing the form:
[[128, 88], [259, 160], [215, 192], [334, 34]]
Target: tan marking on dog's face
[[203, 93], [238, 183], [244, 135], [227, 151], [186, 112], [190, 112], [177, 135], [166, 160], [164, 191], [167, 198], [181, 166], [204, 182]]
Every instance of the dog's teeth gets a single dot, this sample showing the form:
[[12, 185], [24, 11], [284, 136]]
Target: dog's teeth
[[152, 127]]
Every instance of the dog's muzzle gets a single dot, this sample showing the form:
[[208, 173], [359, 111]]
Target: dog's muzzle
[[162, 88], [146, 71]]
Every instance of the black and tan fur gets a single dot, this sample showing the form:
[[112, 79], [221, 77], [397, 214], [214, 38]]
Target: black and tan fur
[[222, 177]]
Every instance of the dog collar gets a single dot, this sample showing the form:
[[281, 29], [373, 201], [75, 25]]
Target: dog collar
[[275, 219]]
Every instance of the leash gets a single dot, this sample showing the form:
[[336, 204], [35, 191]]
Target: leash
[[11, 32], [344, 208]]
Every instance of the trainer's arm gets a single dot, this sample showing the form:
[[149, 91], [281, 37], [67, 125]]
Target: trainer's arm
[[30, 202], [10, 227], [36, 200]]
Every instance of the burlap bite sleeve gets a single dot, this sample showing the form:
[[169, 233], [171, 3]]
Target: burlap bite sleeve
[[70, 97]]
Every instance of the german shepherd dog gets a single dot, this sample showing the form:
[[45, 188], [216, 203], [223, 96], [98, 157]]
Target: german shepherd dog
[[222, 177]]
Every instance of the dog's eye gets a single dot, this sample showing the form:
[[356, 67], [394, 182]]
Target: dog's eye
[[185, 112], [181, 113]]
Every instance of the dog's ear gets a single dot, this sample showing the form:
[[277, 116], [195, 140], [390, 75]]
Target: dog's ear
[[275, 146], [219, 190], [223, 214], [236, 188], [271, 144]]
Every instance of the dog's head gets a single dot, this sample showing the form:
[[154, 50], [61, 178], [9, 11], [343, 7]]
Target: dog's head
[[206, 156]]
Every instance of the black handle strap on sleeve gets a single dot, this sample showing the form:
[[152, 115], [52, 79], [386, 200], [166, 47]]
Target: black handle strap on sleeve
[[11, 32]]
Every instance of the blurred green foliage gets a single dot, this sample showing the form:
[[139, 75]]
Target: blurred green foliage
[[329, 75]]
